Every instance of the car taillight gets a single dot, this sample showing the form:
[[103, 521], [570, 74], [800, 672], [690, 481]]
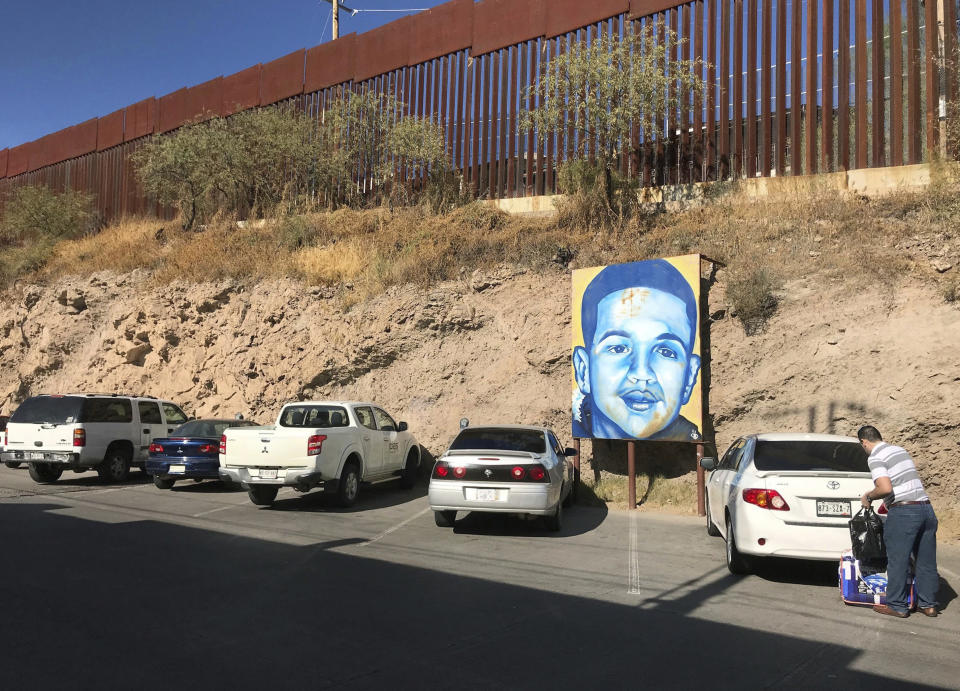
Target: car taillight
[[537, 473], [155, 448], [315, 443], [459, 471], [80, 437], [518, 472], [765, 499], [208, 448], [441, 470], [223, 444], [882, 510]]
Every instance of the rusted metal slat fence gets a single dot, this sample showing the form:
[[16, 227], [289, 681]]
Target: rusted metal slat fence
[[791, 87]]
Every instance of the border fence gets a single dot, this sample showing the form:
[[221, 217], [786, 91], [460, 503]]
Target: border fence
[[791, 87]]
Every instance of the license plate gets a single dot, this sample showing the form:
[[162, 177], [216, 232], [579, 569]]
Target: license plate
[[268, 473], [178, 469], [826, 507], [35, 456], [486, 495]]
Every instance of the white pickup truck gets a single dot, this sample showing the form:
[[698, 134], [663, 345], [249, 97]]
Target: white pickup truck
[[333, 444]]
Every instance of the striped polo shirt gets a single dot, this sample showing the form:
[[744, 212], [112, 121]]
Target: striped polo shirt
[[887, 460]]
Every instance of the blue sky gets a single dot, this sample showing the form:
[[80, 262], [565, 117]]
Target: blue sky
[[62, 62]]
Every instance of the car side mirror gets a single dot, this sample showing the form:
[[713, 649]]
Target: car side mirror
[[402, 426], [569, 451], [708, 463]]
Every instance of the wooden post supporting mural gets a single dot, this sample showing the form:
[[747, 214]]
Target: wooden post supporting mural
[[631, 475], [701, 509], [576, 459]]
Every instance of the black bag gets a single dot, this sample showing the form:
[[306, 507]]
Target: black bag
[[866, 538]]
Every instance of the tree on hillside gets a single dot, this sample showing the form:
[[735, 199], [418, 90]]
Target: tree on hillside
[[281, 160], [247, 164], [36, 213], [367, 145], [600, 91]]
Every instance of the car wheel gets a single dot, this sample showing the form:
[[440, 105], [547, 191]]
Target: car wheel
[[555, 522], [408, 478], [262, 495], [45, 473], [115, 466], [163, 483], [445, 519], [712, 529], [12, 464], [737, 563], [349, 486]]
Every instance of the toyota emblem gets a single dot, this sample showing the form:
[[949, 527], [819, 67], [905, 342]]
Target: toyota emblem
[[833, 484]]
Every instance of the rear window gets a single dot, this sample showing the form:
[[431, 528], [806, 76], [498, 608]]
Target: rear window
[[208, 428], [498, 439], [54, 410], [811, 455], [314, 416]]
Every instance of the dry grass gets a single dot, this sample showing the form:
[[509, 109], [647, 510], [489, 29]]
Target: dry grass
[[132, 243], [335, 263], [777, 238]]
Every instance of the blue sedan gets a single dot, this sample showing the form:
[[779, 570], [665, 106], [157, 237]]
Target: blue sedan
[[191, 452]]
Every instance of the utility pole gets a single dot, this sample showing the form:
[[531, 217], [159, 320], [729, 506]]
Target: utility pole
[[337, 6]]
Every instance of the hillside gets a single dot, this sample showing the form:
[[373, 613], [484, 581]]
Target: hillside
[[849, 342]]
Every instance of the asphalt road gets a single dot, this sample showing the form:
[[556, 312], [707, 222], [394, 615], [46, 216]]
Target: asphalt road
[[127, 586]]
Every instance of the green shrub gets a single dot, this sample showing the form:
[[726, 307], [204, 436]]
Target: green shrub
[[596, 197], [35, 213], [950, 290], [297, 232], [751, 295]]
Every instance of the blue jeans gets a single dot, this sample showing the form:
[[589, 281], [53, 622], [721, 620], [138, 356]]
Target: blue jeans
[[911, 529]]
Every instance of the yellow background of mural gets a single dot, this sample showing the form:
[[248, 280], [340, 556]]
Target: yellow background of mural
[[689, 266]]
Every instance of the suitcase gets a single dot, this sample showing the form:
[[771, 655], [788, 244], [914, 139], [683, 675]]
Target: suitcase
[[857, 589]]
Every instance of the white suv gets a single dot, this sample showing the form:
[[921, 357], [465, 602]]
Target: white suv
[[107, 432]]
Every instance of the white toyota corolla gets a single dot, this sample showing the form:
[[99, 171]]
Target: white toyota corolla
[[785, 495]]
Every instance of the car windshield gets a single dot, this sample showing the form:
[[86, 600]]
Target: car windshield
[[314, 416], [54, 410], [207, 428], [500, 439], [843, 456]]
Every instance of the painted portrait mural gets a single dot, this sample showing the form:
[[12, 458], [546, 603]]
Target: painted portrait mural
[[636, 351]]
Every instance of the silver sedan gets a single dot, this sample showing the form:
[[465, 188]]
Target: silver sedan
[[503, 469]]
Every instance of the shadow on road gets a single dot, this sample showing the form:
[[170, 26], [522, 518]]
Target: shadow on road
[[152, 605], [577, 520], [371, 497]]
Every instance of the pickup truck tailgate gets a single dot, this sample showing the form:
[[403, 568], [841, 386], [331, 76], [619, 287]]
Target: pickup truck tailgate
[[277, 447]]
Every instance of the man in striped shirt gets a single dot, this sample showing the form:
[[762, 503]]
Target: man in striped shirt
[[911, 526]]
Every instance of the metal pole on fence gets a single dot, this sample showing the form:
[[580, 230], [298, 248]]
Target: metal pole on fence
[[631, 476]]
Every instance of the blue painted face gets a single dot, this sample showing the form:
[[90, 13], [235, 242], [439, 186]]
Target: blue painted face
[[638, 370]]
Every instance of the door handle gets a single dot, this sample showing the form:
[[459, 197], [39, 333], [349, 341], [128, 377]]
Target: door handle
[[169, 430], [146, 431], [366, 438]]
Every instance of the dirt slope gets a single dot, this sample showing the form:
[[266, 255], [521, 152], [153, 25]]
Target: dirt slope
[[493, 347]]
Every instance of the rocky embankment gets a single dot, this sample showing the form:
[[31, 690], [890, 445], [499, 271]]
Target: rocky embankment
[[493, 346]]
